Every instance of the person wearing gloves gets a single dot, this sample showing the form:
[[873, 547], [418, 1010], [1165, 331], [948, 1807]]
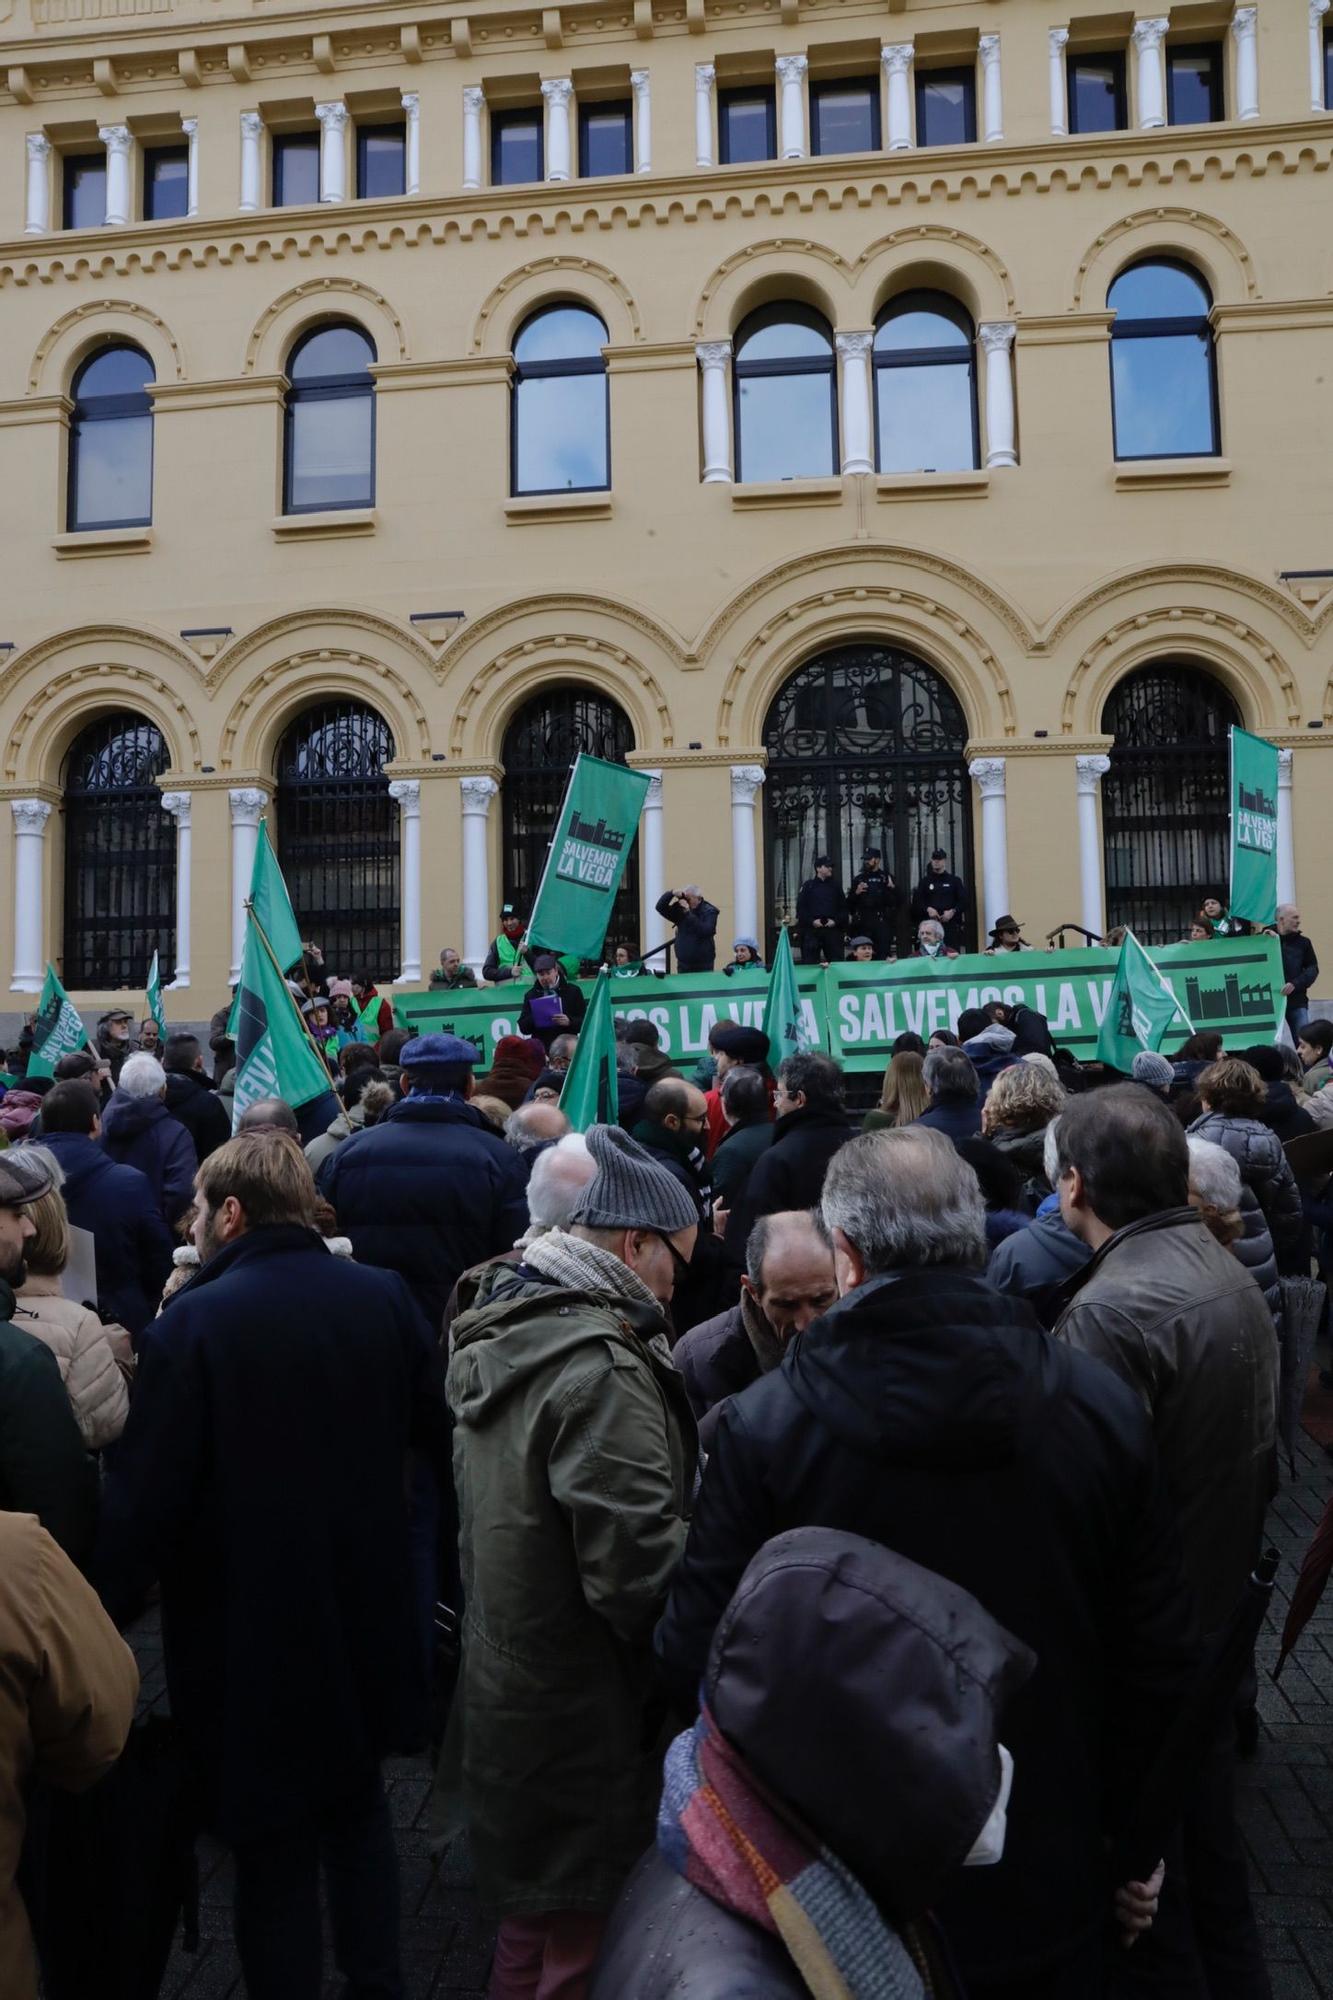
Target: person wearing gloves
[[696, 927]]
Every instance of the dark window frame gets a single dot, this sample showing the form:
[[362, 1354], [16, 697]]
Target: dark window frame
[[545, 371], [933, 357], [1116, 59], [105, 409], [1217, 92], [624, 108], [95, 160], [279, 142], [824, 87], [177, 150], [339, 832], [505, 120], [120, 883], [752, 93], [964, 73], [326, 389], [380, 129], [781, 311], [1162, 329]]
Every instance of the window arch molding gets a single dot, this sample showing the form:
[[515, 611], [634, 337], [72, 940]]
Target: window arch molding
[[1190, 236], [548, 281], [328, 431], [313, 304], [69, 341]]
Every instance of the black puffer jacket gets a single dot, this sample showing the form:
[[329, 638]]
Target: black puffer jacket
[[190, 1099], [1264, 1169]]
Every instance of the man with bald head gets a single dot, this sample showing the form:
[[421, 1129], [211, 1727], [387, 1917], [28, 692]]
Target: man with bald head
[[269, 1114], [533, 1127]]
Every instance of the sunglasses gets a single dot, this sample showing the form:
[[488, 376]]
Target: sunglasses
[[680, 1268]]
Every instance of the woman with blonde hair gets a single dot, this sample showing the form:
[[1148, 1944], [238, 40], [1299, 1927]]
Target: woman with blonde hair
[[90, 1356], [1019, 1106], [903, 1098]]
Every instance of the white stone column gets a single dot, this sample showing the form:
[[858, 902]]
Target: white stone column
[[247, 804], [997, 339], [858, 435], [116, 139], [30, 817], [745, 782], [791, 106], [178, 805], [992, 90], [989, 775], [715, 361], [477, 794], [332, 150], [190, 127], [411, 103], [557, 90], [1245, 34], [474, 98], [897, 60], [1056, 40], [37, 206], [407, 791], [1090, 772], [704, 75], [643, 120], [252, 161], [1149, 73], [656, 929], [1286, 838], [1318, 9]]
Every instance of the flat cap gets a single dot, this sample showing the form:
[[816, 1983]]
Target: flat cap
[[548, 962], [436, 1051], [25, 1174], [852, 943]]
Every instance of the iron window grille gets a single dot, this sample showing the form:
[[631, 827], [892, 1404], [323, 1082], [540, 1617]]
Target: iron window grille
[[120, 856], [338, 837]]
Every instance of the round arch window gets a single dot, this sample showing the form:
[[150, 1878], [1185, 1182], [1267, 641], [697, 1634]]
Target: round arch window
[[561, 409], [120, 855], [1163, 367], [338, 838], [543, 738], [329, 451], [111, 441], [925, 361], [786, 395]]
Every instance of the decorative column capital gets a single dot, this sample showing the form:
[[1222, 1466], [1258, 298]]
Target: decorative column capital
[[996, 335], [988, 773], [39, 146], [791, 69], [1057, 38], [1151, 34], [1284, 756], [178, 805], [713, 353], [897, 57], [189, 126], [407, 791], [1244, 22], [474, 98], [477, 795], [853, 345], [652, 798], [332, 115], [247, 803], [704, 73], [988, 48], [1091, 771], [745, 782], [116, 138], [30, 815], [1318, 9], [411, 103], [639, 79], [557, 90], [252, 125]]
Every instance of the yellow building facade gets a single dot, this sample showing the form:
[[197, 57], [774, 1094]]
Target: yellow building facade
[[794, 478]]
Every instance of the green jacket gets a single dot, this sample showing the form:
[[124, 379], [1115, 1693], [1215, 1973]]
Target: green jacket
[[574, 1461], [1317, 1076]]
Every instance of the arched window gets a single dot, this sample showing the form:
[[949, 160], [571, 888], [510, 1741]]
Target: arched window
[[560, 429], [865, 749], [925, 386], [111, 441], [120, 855], [542, 740], [338, 836], [786, 396], [1163, 372], [1165, 798], [329, 456]]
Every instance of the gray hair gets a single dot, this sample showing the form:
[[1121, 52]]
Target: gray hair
[[534, 1125], [904, 1198], [36, 1158], [559, 1176], [948, 1073], [1214, 1175], [1050, 1154], [760, 1240], [931, 925], [143, 1076]]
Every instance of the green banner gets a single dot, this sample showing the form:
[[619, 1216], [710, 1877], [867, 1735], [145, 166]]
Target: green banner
[[1254, 769], [591, 1093], [587, 857], [274, 1055], [58, 1028], [1142, 1010], [785, 1024], [153, 995], [856, 1011]]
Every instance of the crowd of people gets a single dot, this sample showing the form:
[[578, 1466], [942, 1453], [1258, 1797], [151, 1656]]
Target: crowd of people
[[794, 1533]]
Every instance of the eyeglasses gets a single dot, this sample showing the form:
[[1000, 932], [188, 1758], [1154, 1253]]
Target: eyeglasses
[[680, 1268]]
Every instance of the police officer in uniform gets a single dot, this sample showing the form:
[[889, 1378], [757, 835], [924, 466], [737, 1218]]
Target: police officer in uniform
[[819, 910], [872, 903]]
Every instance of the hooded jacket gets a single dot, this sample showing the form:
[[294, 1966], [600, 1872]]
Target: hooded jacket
[[1285, 1113], [191, 1099], [84, 1355], [329, 1140], [931, 1414], [989, 1053], [574, 1460], [140, 1132], [1265, 1171], [115, 1204], [1035, 1263]]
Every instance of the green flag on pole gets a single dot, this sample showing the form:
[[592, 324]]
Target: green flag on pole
[[784, 1016], [58, 1029], [1254, 774], [1140, 1008], [274, 1056], [591, 1092], [271, 903], [587, 856], [154, 995]]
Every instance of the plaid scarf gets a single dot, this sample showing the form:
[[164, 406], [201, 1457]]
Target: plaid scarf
[[723, 1832]]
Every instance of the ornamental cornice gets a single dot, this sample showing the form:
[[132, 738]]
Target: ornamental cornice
[[275, 682], [566, 267], [102, 310], [560, 613], [1046, 746], [1186, 218], [544, 652], [315, 288], [304, 622], [1170, 579]]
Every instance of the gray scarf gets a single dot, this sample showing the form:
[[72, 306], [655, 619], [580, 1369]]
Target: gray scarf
[[579, 1266]]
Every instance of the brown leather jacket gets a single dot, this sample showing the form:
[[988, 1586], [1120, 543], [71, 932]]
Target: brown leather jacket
[[1187, 1327]]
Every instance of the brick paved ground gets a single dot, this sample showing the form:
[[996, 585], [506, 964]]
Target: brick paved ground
[[1286, 1809]]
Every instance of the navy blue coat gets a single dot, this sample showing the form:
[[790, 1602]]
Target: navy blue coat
[[261, 1477], [956, 1117], [696, 932], [140, 1132], [119, 1209], [428, 1192]]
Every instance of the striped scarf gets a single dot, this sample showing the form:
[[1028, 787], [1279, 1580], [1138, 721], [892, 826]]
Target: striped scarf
[[718, 1828]]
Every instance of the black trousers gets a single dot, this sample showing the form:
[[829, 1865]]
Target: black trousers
[[822, 943], [276, 1909], [1079, 1978]]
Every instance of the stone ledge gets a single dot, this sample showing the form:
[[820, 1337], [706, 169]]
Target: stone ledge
[[336, 525], [1170, 475], [103, 542]]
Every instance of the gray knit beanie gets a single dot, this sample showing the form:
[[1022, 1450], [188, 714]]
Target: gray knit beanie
[[630, 1190], [1150, 1068]]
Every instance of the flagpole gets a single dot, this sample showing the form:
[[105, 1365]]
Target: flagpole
[[550, 846], [262, 935]]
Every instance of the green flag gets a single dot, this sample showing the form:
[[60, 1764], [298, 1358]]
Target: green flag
[[587, 856], [274, 1056], [154, 994], [1139, 1010], [271, 903], [1254, 770], [784, 1015], [591, 1092], [58, 1029]]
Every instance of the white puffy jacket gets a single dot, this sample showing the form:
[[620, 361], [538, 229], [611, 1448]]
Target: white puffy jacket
[[86, 1352]]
